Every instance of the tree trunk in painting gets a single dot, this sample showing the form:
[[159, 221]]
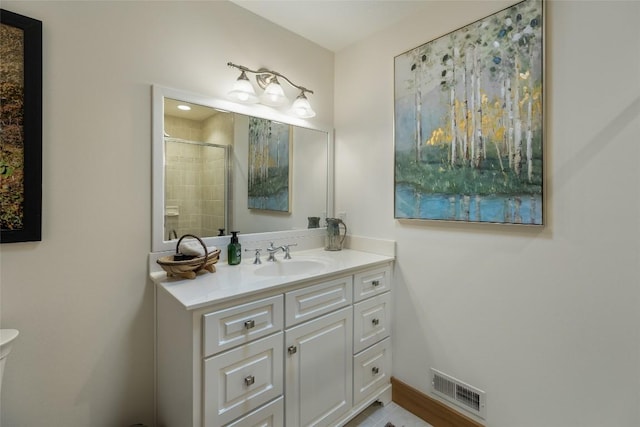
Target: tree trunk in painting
[[452, 101], [517, 160], [530, 119], [418, 125], [480, 152], [508, 114], [472, 102], [476, 110], [465, 114]]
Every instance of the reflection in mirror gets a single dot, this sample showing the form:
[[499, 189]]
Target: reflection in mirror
[[197, 145], [201, 170]]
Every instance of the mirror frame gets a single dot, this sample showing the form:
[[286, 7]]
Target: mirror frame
[[158, 94]]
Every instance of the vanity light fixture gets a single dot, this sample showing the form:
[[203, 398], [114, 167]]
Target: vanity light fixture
[[273, 94]]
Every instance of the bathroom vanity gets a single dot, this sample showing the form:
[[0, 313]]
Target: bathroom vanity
[[297, 342], [300, 342]]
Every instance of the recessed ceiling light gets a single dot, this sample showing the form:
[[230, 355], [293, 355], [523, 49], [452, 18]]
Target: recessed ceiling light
[[184, 107]]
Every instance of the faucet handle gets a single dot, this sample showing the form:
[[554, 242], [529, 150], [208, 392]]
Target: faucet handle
[[287, 254], [256, 260]]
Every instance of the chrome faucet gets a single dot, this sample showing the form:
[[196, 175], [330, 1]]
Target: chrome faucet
[[271, 250]]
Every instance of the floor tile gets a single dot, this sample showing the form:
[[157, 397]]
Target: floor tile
[[377, 415]]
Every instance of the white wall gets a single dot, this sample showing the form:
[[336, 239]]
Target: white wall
[[545, 320], [81, 298]]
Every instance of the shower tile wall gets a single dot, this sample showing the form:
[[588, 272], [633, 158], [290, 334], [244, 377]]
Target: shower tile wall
[[195, 176], [216, 130]]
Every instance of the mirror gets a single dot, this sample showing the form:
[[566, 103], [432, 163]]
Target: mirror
[[224, 166]]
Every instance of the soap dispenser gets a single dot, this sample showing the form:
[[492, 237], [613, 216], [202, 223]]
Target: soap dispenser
[[234, 250]]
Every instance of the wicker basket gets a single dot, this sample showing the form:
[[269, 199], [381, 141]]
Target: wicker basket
[[189, 268]]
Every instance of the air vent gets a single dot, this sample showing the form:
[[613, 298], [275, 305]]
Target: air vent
[[459, 393]]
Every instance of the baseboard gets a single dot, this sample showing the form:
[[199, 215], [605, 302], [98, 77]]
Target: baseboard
[[429, 409]]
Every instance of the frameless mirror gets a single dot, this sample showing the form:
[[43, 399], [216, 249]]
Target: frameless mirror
[[218, 166]]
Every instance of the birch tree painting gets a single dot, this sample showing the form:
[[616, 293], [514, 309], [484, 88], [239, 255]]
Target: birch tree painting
[[269, 150], [469, 122]]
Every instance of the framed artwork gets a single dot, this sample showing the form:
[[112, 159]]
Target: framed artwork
[[20, 128], [469, 122], [269, 173]]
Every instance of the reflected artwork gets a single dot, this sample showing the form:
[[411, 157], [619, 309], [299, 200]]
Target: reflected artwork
[[269, 161]]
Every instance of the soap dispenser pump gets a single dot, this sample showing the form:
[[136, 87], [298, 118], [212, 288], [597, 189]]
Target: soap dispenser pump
[[234, 250]]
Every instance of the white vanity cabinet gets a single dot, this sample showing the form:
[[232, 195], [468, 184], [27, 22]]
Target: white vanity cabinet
[[311, 352]]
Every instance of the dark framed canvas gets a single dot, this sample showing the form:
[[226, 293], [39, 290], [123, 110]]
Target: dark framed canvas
[[21, 128], [269, 165], [469, 122]]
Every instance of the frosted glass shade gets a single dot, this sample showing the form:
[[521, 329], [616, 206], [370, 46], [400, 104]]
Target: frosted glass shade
[[243, 91], [302, 108], [273, 95]]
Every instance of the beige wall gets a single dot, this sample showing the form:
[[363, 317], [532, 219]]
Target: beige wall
[[81, 298], [545, 320]]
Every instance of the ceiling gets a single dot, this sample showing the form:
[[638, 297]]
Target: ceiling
[[334, 24]]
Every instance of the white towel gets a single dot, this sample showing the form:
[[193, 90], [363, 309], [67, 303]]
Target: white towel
[[193, 248]]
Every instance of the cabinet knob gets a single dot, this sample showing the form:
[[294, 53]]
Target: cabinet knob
[[292, 349], [250, 324], [375, 283], [249, 380], [375, 321], [375, 370]]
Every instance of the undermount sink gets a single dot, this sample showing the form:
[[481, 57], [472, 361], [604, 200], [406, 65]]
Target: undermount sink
[[291, 267]]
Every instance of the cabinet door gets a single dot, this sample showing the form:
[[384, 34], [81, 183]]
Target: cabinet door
[[318, 370], [240, 380], [371, 321]]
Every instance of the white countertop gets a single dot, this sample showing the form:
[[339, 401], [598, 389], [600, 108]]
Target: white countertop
[[233, 281]]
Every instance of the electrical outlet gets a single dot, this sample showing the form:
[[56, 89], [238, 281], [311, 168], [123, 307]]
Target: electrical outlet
[[342, 216]]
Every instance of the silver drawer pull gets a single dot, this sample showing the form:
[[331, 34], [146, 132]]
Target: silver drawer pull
[[292, 349], [375, 283], [375, 322], [375, 370], [250, 324], [249, 380]]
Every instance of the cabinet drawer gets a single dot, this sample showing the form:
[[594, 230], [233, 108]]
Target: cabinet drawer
[[371, 321], [371, 370], [240, 324], [270, 415], [313, 301], [242, 379], [371, 282]]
